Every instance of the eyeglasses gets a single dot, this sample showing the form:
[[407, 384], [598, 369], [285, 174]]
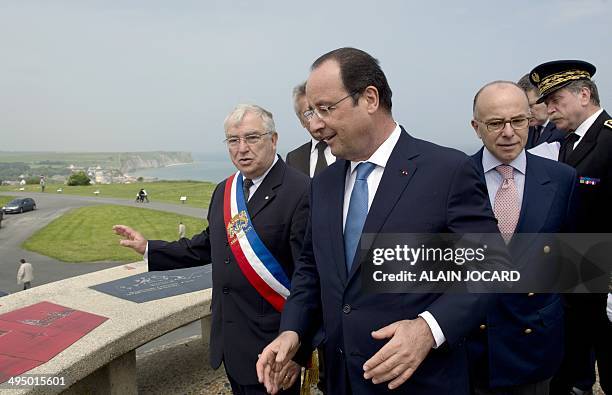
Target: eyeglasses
[[251, 139], [324, 111], [497, 125]]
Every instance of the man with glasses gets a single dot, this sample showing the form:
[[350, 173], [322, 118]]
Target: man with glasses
[[385, 182], [541, 129], [572, 101], [314, 156], [256, 224], [519, 346]]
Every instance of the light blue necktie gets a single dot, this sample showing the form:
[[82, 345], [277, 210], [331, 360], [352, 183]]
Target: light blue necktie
[[357, 212]]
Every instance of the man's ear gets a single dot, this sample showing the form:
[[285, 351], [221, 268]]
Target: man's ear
[[475, 126], [370, 94]]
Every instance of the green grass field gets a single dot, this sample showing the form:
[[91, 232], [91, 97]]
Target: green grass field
[[198, 193], [4, 200], [85, 234]]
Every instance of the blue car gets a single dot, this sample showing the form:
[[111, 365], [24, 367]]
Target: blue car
[[19, 205]]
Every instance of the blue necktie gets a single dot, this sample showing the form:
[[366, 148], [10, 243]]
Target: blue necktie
[[357, 212]]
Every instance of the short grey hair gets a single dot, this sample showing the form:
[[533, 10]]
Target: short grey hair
[[526, 84], [576, 87], [298, 92], [240, 111]]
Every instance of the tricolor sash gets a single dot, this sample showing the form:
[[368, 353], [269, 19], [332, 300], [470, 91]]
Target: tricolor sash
[[256, 262]]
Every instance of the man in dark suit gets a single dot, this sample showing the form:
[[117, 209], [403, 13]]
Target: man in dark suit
[[245, 315], [314, 156], [520, 345], [572, 102], [387, 182], [541, 129]]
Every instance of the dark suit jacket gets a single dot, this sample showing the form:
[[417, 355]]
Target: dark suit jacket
[[500, 352], [592, 158], [425, 188], [549, 134], [243, 322], [299, 158]]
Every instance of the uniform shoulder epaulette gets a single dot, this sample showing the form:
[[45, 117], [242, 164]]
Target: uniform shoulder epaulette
[[608, 123]]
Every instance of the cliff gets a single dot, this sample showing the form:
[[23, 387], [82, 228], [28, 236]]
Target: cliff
[[147, 160]]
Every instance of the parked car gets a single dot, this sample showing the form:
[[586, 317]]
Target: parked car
[[19, 205], [2, 293], [1, 215]]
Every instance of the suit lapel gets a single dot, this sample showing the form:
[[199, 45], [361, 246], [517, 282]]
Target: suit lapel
[[304, 158], [334, 191], [588, 142], [398, 172], [265, 193], [478, 159], [538, 194], [546, 133]]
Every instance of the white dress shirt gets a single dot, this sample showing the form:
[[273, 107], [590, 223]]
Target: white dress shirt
[[314, 155], [380, 158], [494, 179], [584, 126]]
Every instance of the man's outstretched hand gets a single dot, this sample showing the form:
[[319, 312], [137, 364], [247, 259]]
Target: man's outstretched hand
[[132, 238], [275, 361]]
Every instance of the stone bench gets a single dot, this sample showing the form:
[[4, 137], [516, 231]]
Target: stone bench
[[104, 360]]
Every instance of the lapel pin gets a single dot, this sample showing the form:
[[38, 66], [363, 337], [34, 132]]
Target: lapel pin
[[404, 172], [266, 197]]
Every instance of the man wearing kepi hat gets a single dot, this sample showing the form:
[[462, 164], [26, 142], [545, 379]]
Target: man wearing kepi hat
[[573, 105]]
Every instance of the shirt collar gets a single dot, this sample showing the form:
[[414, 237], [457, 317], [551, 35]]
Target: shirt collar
[[313, 145], [382, 154], [584, 126], [258, 180], [489, 162]]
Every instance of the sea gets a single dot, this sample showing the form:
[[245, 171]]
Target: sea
[[205, 167]]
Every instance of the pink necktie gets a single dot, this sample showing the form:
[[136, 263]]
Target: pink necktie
[[506, 207]]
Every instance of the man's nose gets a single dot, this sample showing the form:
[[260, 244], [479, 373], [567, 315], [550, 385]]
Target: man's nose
[[508, 130], [316, 123]]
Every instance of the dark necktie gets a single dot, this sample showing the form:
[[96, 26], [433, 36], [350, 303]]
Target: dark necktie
[[536, 135], [567, 147], [321, 161], [246, 186]]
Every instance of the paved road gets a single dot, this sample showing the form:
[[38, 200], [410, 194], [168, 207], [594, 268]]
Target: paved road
[[16, 228]]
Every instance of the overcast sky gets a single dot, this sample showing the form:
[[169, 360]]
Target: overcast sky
[[162, 75]]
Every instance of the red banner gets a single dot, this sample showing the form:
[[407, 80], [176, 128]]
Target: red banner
[[33, 335]]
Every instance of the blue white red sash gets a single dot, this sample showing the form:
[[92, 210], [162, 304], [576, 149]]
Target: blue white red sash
[[255, 260]]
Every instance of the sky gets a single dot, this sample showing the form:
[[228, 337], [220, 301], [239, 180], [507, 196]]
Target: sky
[[162, 75]]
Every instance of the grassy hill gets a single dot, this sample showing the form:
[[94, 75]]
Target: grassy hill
[[85, 234]]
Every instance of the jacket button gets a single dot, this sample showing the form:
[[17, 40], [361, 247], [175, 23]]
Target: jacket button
[[346, 308], [227, 261], [546, 249], [227, 243], [528, 331], [483, 327], [226, 290], [530, 294]]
